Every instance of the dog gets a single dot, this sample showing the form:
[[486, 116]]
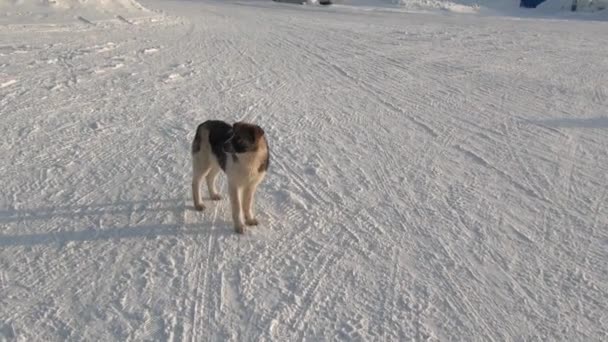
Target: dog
[[241, 151]]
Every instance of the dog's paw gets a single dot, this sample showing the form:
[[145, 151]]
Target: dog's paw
[[215, 197], [251, 222], [199, 207], [239, 229]]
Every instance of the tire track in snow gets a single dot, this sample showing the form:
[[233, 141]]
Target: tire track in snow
[[203, 278], [482, 162], [298, 306], [47, 285], [214, 284], [201, 315], [508, 133], [393, 287], [287, 242], [365, 86], [390, 106], [434, 243]]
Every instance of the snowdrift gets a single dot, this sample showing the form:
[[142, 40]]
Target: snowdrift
[[581, 5], [415, 5], [42, 11], [475, 6]]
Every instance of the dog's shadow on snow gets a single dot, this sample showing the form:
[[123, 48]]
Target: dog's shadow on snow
[[596, 122], [177, 209]]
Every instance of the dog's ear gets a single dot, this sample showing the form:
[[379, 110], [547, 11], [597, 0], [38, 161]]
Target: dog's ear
[[237, 127], [248, 131], [258, 132]]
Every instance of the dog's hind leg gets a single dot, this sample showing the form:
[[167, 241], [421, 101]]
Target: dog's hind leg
[[248, 197], [211, 176], [235, 202], [200, 168]]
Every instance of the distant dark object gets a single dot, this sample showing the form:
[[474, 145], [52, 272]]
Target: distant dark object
[[299, 2], [530, 3], [574, 6]]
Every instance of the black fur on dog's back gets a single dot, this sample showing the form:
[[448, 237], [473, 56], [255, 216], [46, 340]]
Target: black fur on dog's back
[[219, 132]]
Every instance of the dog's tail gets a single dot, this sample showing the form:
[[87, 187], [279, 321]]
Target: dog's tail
[[201, 136]]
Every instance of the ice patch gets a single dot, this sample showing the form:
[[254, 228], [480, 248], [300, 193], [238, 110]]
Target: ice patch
[[7, 83], [150, 50]]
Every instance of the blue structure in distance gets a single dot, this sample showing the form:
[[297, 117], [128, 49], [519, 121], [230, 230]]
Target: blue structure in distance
[[530, 3]]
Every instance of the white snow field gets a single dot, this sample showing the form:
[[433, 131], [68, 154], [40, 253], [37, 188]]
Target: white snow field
[[434, 177], [58, 11]]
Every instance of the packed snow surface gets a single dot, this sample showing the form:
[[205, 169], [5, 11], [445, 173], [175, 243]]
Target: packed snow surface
[[433, 176], [550, 8], [53, 11]]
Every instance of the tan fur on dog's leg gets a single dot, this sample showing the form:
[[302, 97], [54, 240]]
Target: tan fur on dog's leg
[[211, 176], [198, 205], [248, 198], [235, 202], [199, 170]]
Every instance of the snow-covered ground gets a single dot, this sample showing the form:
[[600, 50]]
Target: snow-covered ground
[[591, 9], [433, 176], [60, 11]]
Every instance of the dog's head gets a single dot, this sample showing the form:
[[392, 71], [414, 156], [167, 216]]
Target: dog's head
[[246, 138]]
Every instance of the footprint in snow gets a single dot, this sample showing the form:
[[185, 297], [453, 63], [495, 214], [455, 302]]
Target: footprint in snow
[[108, 67], [6, 50], [172, 77], [149, 51], [105, 48], [178, 72], [175, 76]]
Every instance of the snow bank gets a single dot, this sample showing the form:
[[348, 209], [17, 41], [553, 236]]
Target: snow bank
[[452, 6], [509, 7], [36, 11], [566, 5], [459, 6]]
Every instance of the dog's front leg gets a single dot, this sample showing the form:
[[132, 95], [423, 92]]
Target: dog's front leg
[[235, 202], [196, 195], [248, 205]]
